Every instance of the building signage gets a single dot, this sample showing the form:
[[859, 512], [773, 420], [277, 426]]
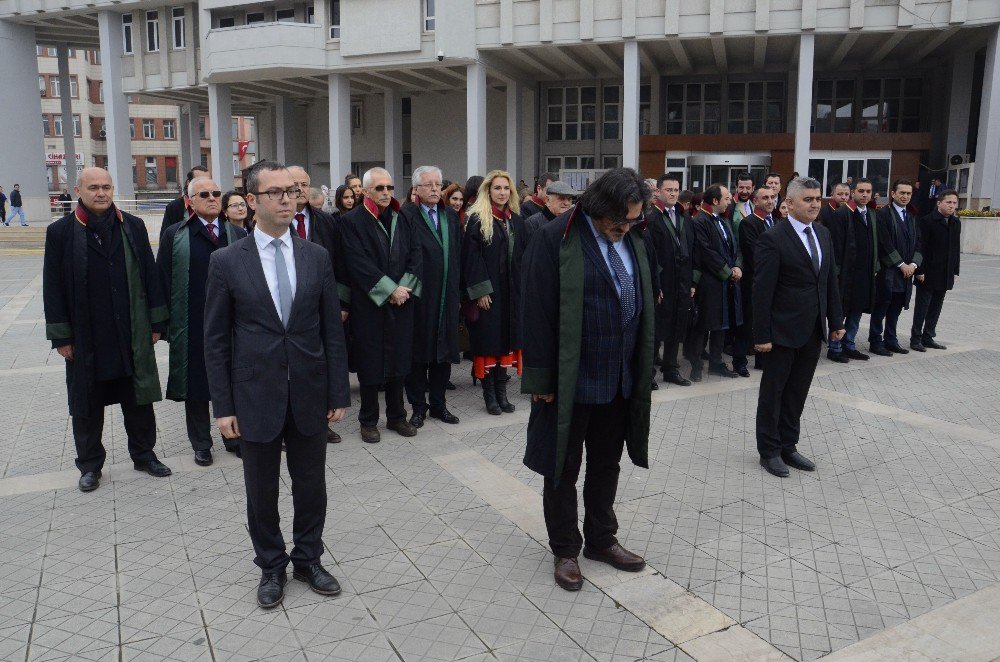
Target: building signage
[[58, 158]]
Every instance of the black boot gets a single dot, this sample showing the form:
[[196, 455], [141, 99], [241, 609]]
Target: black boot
[[489, 395], [500, 380]]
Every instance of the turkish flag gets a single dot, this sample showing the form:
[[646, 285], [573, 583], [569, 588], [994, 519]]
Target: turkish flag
[[243, 146]]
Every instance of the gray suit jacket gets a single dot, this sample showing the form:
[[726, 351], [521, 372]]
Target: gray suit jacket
[[255, 366]]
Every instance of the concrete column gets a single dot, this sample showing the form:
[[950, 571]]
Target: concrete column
[[803, 102], [116, 121], [266, 148], [514, 134], [220, 114], [392, 108], [66, 106], [959, 103], [475, 120], [190, 136], [630, 106], [986, 178], [340, 126], [284, 124], [655, 112]]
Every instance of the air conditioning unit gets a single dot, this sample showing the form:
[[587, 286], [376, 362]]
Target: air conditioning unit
[[958, 159], [102, 134]]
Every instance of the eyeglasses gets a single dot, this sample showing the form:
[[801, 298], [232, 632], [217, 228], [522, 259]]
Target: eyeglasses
[[205, 195], [384, 187], [631, 222], [278, 193], [237, 205]]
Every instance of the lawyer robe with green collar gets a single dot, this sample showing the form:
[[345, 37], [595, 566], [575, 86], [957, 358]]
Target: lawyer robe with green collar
[[552, 332], [382, 254], [68, 319], [435, 327]]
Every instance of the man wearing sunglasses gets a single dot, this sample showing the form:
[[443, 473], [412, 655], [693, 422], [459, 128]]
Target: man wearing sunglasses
[[587, 330], [185, 249]]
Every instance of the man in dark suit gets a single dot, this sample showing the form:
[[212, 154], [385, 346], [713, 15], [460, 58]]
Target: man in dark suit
[[751, 228], [277, 368], [899, 253], [588, 352], [179, 209], [795, 306], [941, 247]]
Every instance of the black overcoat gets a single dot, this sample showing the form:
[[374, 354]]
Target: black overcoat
[[751, 228], [717, 296], [67, 309], [941, 247], [378, 262], [494, 269], [673, 252], [435, 323], [896, 243]]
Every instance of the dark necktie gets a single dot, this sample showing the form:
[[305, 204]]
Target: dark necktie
[[211, 233], [628, 288], [434, 218], [725, 235], [813, 249], [300, 225], [864, 216], [769, 221], [673, 219]]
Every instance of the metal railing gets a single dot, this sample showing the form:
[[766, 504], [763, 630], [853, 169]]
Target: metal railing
[[138, 207]]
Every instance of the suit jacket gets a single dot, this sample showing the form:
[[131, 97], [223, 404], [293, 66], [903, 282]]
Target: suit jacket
[[175, 212], [256, 366], [673, 251], [941, 247], [751, 228], [897, 242], [790, 300]]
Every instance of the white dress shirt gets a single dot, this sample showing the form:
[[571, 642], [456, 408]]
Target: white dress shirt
[[216, 222], [799, 227], [266, 251], [620, 248], [308, 221]]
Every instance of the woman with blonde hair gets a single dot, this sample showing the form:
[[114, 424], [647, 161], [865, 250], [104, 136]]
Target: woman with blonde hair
[[491, 255]]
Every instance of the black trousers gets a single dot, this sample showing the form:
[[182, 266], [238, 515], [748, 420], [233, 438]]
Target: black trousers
[[674, 335], [306, 457], [742, 341], [784, 386], [199, 424], [716, 343], [424, 379], [886, 313], [368, 413], [140, 426], [926, 312], [602, 429]]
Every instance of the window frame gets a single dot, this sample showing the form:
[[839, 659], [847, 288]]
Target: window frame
[[152, 31], [430, 20], [335, 18], [580, 124], [178, 28], [169, 129], [151, 126], [128, 36]]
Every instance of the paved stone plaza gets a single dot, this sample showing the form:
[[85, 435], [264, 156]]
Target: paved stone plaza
[[439, 543]]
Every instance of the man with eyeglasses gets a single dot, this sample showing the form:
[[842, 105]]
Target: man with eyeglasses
[[185, 249], [587, 323], [104, 311], [277, 367], [384, 264], [180, 208], [435, 328]]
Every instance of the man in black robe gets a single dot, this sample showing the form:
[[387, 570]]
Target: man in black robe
[[436, 230], [384, 267], [751, 228], [941, 247], [104, 311], [180, 209], [185, 249], [559, 197], [839, 196], [536, 202], [588, 351], [899, 252]]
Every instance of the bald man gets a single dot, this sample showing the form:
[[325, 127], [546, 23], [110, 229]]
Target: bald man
[[104, 311]]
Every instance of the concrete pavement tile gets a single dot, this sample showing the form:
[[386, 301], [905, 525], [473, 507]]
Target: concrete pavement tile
[[405, 604], [180, 646], [330, 620], [377, 572], [445, 637]]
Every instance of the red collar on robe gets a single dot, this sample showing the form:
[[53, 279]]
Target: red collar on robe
[[501, 214], [761, 214], [83, 216], [833, 206], [707, 209], [659, 205], [374, 210], [538, 201]]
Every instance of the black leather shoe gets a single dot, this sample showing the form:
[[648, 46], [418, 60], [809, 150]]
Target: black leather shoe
[[402, 428], [917, 346], [856, 355], [930, 344], [742, 371], [696, 375], [319, 580], [234, 448], [154, 468], [445, 416], [90, 481], [271, 590], [654, 386], [838, 357], [203, 458], [417, 420], [332, 437], [722, 371], [775, 466], [676, 378], [450, 386], [896, 349], [797, 460], [879, 350], [370, 435]]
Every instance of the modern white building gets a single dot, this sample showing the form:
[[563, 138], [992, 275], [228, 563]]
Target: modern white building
[[835, 88]]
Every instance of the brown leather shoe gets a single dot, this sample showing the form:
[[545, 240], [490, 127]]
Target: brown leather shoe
[[404, 428], [617, 557], [370, 435], [568, 575], [332, 437]]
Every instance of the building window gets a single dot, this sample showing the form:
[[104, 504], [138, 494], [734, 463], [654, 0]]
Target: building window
[[149, 129], [614, 161], [284, 16], [227, 21], [170, 170], [839, 168], [694, 108], [43, 89], [201, 128], [57, 126], [131, 129], [77, 126], [357, 117], [334, 19], [645, 110], [46, 127], [169, 130], [100, 90], [54, 87], [557, 163], [235, 128], [311, 14], [571, 113], [74, 87], [127, 34], [429, 15], [255, 17], [612, 109], [135, 174], [152, 31], [891, 105], [236, 166], [177, 22], [151, 172], [94, 57], [756, 107], [834, 106]]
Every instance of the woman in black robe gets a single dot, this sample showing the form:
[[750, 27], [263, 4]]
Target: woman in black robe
[[491, 256]]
